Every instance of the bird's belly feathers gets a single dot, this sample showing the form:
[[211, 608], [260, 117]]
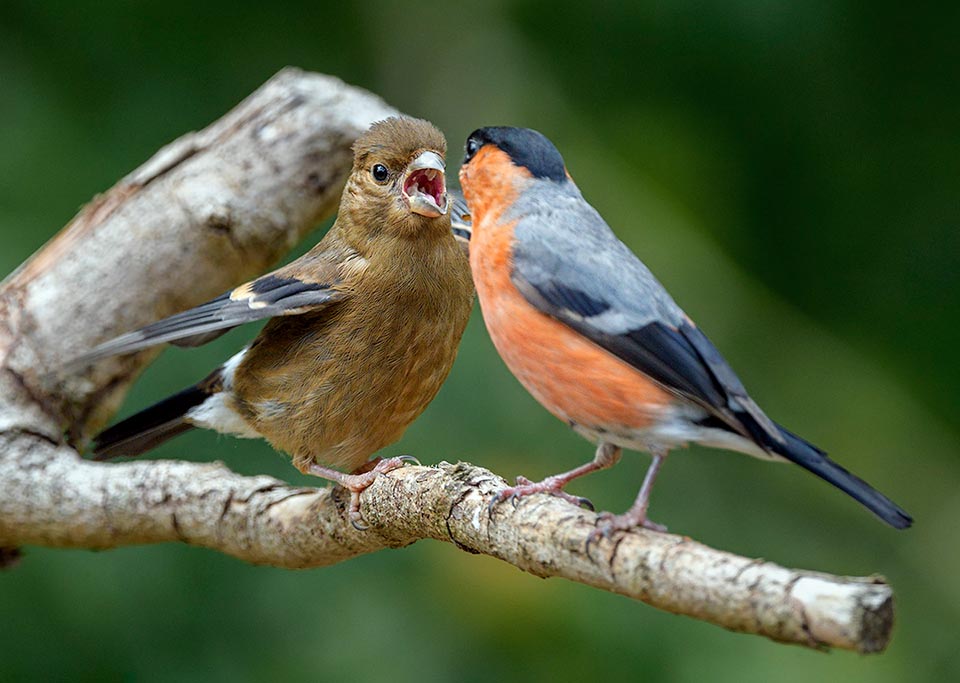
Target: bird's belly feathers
[[338, 400], [572, 377]]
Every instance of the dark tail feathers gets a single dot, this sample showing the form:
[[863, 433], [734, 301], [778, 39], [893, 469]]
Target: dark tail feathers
[[149, 428], [814, 460]]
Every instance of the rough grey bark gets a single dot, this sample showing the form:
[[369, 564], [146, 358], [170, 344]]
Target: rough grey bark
[[215, 208]]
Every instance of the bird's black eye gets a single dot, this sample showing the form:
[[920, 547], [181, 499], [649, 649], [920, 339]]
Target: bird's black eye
[[473, 146], [380, 172]]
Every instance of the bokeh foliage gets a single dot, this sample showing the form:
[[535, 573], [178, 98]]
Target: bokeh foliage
[[789, 170]]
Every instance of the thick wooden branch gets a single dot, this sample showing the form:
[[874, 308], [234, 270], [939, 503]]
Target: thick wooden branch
[[262, 520], [207, 212]]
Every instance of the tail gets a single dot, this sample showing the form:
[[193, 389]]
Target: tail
[[814, 460], [149, 428]]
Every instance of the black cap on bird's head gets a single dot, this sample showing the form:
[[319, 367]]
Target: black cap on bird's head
[[526, 148]]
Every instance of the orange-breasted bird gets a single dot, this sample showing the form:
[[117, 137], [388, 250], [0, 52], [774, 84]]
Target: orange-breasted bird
[[363, 329], [591, 333]]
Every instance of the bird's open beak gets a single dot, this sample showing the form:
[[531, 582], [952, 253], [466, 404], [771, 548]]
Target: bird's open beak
[[424, 188]]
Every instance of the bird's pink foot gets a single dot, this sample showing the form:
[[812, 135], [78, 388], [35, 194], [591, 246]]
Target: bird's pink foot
[[360, 480], [636, 516], [552, 485], [606, 456], [608, 524]]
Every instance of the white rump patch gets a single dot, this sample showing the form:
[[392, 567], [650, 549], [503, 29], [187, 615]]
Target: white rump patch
[[216, 413], [230, 367]]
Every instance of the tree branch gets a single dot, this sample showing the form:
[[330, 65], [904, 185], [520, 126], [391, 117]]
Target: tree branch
[[215, 208]]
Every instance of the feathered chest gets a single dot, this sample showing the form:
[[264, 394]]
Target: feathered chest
[[341, 384]]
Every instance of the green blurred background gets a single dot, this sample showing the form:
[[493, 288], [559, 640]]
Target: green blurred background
[[789, 170]]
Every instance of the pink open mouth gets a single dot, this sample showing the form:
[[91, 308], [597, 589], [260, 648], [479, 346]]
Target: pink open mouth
[[424, 187], [426, 191]]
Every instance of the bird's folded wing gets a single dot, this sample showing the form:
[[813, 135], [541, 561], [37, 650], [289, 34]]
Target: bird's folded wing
[[272, 295], [606, 294]]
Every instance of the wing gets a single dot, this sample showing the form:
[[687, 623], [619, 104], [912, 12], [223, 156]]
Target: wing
[[569, 264], [275, 294]]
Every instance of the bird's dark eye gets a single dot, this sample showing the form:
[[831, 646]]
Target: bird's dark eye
[[473, 146], [380, 173]]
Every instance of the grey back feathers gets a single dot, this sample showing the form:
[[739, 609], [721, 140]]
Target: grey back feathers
[[561, 241]]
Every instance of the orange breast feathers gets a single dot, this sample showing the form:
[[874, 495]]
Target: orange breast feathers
[[572, 377]]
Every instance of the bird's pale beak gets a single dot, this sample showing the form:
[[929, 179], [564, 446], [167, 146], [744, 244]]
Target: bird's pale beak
[[424, 188]]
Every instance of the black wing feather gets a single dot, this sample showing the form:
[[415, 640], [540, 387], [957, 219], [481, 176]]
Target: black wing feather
[[680, 358], [656, 349], [666, 355], [562, 297], [267, 297]]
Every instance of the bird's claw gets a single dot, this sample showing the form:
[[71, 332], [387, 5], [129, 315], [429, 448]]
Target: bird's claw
[[585, 503], [579, 501], [385, 465], [358, 482], [356, 519], [525, 488], [608, 523], [502, 495], [497, 498]]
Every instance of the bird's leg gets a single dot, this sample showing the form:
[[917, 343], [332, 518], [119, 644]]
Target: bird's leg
[[637, 514], [359, 480], [607, 455], [372, 464]]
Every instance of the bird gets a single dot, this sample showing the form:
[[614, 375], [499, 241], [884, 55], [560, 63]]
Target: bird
[[362, 330], [591, 333]]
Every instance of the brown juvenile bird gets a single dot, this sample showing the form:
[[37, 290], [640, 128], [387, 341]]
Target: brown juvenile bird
[[364, 328]]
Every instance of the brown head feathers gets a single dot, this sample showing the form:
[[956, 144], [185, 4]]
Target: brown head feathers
[[397, 140], [397, 166]]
